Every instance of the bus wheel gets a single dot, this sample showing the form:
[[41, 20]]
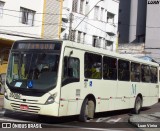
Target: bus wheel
[[87, 110], [138, 105]]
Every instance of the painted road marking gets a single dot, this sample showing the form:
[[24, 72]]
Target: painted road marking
[[108, 121], [102, 119], [113, 120]]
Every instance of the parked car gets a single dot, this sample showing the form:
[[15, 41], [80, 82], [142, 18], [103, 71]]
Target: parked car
[[2, 82]]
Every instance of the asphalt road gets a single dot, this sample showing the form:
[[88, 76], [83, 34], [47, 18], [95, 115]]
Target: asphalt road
[[115, 120]]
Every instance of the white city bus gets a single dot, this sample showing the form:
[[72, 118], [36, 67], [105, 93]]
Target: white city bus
[[63, 78]]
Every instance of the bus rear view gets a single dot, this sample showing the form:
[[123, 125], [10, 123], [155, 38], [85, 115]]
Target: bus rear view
[[32, 75]]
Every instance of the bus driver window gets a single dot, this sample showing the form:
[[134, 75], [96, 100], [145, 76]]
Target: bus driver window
[[71, 70]]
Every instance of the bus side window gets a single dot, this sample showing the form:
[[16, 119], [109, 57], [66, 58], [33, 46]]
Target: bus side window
[[123, 70], [109, 68], [93, 66], [145, 73], [153, 74], [135, 72], [71, 70]]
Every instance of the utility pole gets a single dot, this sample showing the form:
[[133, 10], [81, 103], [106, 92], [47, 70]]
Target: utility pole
[[71, 21], [70, 26], [87, 14]]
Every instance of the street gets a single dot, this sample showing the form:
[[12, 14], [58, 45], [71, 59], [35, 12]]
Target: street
[[113, 120]]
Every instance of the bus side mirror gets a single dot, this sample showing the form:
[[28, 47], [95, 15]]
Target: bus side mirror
[[70, 72]]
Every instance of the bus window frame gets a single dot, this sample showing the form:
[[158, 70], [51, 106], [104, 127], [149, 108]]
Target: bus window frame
[[101, 66], [109, 57], [122, 70], [69, 79]]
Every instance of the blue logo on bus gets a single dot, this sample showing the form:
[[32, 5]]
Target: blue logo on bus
[[90, 83], [30, 84]]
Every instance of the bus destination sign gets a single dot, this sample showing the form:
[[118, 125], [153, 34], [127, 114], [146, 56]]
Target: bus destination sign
[[38, 46]]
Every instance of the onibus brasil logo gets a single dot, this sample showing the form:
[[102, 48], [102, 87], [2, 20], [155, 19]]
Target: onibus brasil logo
[[153, 1]]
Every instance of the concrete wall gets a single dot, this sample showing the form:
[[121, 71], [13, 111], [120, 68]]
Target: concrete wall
[[133, 49], [132, 20], [153, 31], [124, 20], [51, 19]]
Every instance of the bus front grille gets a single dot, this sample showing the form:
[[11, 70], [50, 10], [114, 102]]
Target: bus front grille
[[31, 109]]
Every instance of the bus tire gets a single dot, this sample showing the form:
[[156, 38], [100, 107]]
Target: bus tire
[[87, 110], [137, 105]]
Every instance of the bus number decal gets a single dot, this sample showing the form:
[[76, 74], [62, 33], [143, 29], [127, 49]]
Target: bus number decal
[[90, 83], [15, 95]]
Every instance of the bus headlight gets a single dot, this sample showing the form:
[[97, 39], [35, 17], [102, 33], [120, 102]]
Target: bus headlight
[[51, 99], [5, 94]]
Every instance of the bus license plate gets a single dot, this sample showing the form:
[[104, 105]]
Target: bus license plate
[[23, 107]]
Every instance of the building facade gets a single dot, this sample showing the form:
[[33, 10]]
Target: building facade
[[27, 19], [22, 19], [132, 21], [92, 22], [152, 41], [19, 19], [139, 22]]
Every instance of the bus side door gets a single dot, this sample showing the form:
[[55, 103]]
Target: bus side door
[[71, 85]]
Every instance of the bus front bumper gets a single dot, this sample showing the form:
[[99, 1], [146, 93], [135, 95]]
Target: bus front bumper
[[48, 110]]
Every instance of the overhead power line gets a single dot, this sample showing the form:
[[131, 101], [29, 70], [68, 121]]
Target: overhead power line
[[36, 12], [53, 14], [43, 23]]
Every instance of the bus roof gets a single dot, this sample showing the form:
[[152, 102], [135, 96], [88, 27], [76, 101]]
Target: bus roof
[[96, 50]]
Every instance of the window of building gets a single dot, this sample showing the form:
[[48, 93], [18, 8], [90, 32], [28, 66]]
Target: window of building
[[109, 45], [145, 73], [102, 10], [73, 34], [99, 42], [84, 37], [123, 70], [94, 41], [74, 5], [27, 16], [96, 12], [81, 7], [1, 8], [109, 68], [71, 70], [135, 72], [110, 18], [93, 66], [79, 37]]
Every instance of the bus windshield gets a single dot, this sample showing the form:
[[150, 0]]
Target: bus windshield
[[32, 70]]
